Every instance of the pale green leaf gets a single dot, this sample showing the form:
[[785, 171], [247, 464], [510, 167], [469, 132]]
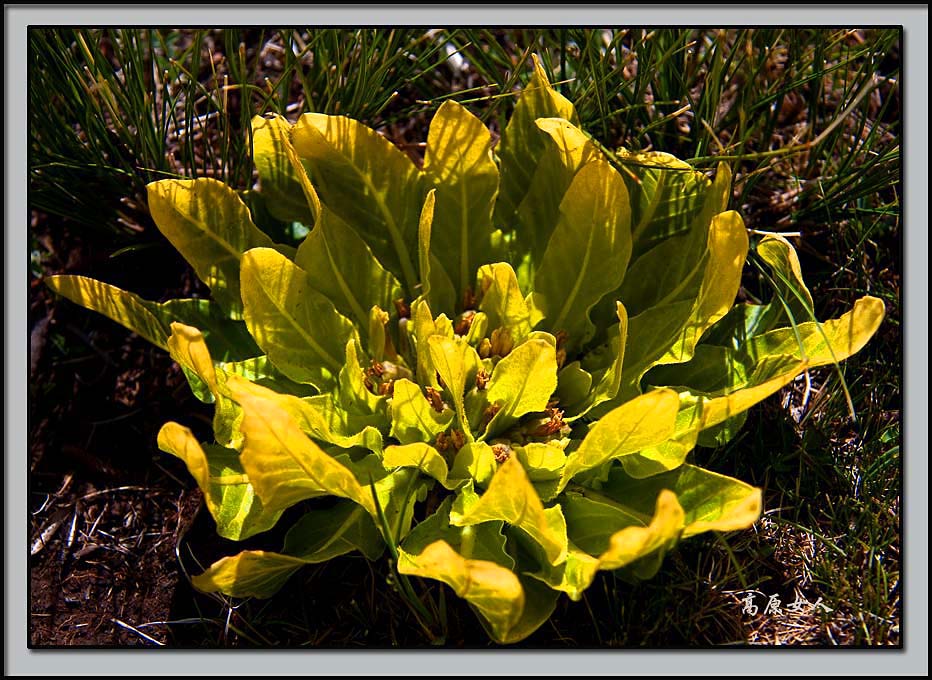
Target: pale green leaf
[[227, 339], [186, 345], [667, 195], [522, 143], [542, 462], [669, 333], [521, 383], [413, 418], [502, 300], [631, 522], [251, 573], [568, 149], [791, 304], [436, 288], [672, 269], [511, 498], [321, 418], [340, 265], [320, 535], [482, 542], [261, 371], [823, 343], [608, 381], [230, 498], [476, 461], [423, 457], [710, 501], [719, 384], [353, 395], [423, 326], [494, 591], [573, 388], [283, 464], [457, 364], [646, 420]]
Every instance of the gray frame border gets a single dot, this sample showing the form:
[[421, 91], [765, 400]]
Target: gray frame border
[[912, 660]]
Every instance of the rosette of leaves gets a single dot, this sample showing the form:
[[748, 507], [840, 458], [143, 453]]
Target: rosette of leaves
[[494, 364]]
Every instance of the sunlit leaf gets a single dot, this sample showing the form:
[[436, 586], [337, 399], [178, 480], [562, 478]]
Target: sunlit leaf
[[298, 328], [521, 383], [458, 163], [230, 498], [413, 418], [511, 498], [644, 421], [369, 183], [278, 180], [208, 223], [283, 464], [587, 253]]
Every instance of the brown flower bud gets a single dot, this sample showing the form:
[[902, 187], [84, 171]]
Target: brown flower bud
[[485, 349], [402, 307], [433, 396], [464, 322], [502, 342], [458, 439], [502, 452], [482, 379]]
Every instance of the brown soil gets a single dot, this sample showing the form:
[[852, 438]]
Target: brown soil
[[105, 505]]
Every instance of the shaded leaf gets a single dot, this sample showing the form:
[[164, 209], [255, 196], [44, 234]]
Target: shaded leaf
[[227, 339], [340, 265], [607, 382], [567, 150], [320, 535], [522, 143], [278, 179]]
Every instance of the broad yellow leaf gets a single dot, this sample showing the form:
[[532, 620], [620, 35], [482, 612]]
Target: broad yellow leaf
[[511, 498], [208, 223], [283, 464], [298, 328]]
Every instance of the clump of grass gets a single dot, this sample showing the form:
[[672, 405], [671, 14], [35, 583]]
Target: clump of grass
[[113, 109]]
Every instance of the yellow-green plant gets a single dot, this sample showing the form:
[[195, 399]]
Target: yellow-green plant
[[495, 364]]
